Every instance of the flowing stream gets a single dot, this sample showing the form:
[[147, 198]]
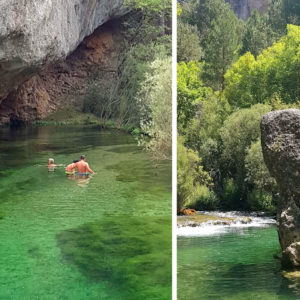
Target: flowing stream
[[108, 237], [236, 261]]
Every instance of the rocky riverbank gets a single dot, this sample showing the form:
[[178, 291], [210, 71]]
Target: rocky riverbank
[[216, 222]]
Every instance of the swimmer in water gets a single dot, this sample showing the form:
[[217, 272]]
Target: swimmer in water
[[83, 167], [51, 166], [70, 169]]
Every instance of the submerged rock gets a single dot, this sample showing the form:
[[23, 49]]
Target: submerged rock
[[280, 136]]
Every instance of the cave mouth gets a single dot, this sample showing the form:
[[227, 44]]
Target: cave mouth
[[16, 123]]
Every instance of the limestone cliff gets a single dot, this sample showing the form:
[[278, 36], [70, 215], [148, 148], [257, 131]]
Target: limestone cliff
[[243, 8], [281, 149], [35, 38], [66, 81]]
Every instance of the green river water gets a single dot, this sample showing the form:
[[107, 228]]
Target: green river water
[[108, 238], [239, 264]]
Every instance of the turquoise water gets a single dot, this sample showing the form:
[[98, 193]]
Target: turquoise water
[[63, 238], [239, 264]]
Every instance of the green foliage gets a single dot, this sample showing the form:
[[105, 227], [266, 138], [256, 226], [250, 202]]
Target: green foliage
[[213, 110], [190, 92], [257, 175], [257, 172], [188, 35], [274, 72], [149, 5], [190, 175], [135, 131], [281, 13], [155, 103], [100, 100], [221, 128], [230, 194], [221, 44], [258, 35], [147, 32], [109, 124], [179, 9], [220, 34], [206, 199], [202, 13], [137, 63], [259, 200], [238, 132]]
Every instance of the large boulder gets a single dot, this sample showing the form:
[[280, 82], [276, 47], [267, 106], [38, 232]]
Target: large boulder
[[34, 34], [280, 136]]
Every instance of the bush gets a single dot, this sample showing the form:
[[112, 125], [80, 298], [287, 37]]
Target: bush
[[135, 131], [259, 200], [205, 199], [190, 175], [230, 195], [155, 102], [109, 124]]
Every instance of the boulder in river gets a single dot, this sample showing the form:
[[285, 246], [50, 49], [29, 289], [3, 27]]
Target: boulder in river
[[280, 136]]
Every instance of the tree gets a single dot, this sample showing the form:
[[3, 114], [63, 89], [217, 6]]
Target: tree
[[190, 175], [275, 72], [238, 132], [220, 45], [155, 99], [257, 172], [188, 35], [258, 35], [258, 176], [190, 92], [220, 34]]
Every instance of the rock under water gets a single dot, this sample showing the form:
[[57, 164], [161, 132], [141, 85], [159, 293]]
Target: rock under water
[[280, 136]]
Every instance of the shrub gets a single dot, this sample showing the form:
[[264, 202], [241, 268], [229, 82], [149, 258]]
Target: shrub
[[155, 102], [205, 199], [259, 200]]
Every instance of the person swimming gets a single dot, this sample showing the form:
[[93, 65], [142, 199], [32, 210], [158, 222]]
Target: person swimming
[[83, 167], [51, 166], [70, 169]]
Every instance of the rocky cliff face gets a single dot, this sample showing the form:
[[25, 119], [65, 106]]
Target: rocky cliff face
[[243, 8], [36, 34], [281, 149]]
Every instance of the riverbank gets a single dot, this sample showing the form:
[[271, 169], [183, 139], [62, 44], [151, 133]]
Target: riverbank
[[71, 116]]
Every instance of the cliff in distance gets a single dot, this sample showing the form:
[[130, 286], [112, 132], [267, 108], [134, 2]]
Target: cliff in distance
[[243, 8]]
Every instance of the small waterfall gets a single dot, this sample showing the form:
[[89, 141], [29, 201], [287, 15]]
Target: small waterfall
[[217, 223]]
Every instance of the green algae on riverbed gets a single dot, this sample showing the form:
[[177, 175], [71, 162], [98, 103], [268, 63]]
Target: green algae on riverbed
[[133, 254]]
